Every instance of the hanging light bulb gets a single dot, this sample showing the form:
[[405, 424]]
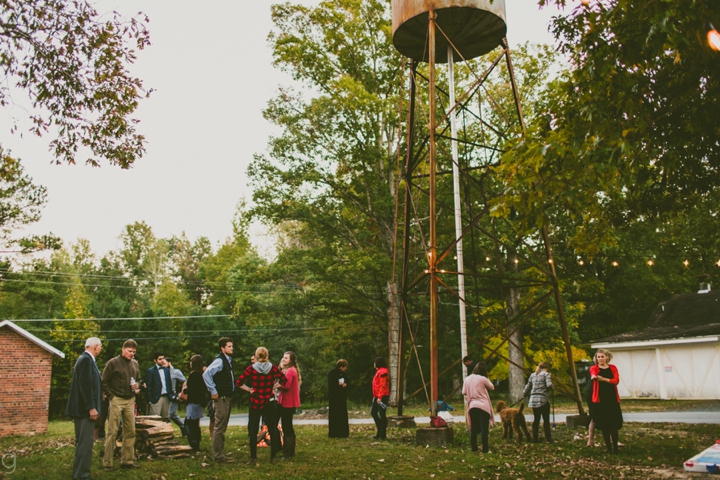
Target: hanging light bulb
[[518, 261], [686, 263], [650, 263], [550, 260], [487, 259], [713, 37], [585, 2], [718, 263], [615, 264], [581, 262]]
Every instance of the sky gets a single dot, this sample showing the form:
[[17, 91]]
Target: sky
[[210, 67]]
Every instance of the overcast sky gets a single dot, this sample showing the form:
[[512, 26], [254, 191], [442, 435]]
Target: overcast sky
[[210, 67]]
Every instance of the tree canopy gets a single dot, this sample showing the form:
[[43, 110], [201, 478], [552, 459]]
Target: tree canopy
[[72, 63]]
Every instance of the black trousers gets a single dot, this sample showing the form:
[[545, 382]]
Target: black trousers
[[193, 432], [543, 411], [286, 417], [479, 424], [268, 414], [379, 414]]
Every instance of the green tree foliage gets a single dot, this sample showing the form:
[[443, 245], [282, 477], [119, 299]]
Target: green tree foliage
[[331, 173], [634, 126], [73, 64]]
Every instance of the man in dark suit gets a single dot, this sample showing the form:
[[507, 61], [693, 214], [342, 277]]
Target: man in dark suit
[[84, 405], [159, 387]]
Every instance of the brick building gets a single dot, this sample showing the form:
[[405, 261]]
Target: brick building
[[25, 373]]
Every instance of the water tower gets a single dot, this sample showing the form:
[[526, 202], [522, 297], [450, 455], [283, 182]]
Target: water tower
[[449, 31]]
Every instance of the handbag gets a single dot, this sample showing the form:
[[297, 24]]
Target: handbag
[[437, 422]]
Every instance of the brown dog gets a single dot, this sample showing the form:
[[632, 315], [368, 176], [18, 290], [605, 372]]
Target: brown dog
[[513, 420]]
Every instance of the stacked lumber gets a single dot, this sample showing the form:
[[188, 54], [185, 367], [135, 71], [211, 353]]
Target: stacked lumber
[[155, 437]]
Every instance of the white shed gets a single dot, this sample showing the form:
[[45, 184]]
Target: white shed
[[677, 356]]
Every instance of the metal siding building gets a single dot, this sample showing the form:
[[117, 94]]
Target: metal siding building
[[677, 356]]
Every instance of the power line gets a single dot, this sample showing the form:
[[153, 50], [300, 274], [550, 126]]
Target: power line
[[119, 318]]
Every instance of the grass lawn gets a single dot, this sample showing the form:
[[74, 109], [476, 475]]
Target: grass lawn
[[649, 451]]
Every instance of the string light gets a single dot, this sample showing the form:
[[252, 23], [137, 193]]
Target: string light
[[686, 263], [615, 264], [487, 259], [518, 261], [585, 2], [650, 263], [713, 38], [550, 260], [718, 263], [581, 263]]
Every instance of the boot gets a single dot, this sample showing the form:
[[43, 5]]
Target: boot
[[289, 447], [536, 427]]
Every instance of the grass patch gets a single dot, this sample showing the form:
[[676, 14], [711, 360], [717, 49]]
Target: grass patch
[[648, 451]]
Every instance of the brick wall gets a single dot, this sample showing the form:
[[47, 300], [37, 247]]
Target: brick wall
[[25, 373]]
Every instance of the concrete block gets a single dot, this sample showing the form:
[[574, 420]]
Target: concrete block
[[401, 421], [575, 421], [435, 437]]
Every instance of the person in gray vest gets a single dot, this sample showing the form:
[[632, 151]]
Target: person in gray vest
[[220, 381], [84, 405], [176, 380]]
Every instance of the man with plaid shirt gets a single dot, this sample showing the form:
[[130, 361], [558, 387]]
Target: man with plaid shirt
[[262, 376]]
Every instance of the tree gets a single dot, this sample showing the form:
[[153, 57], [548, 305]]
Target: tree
[[73, 65], [331, 173], [634, 126], [20, 200]]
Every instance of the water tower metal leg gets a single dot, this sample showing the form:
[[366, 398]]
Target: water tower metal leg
[[432, 260]]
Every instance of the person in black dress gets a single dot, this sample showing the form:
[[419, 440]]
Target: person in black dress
[[338, 426], [605, 409]]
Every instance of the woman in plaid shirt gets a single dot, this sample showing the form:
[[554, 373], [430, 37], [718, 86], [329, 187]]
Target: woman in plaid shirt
[[262, 376], [538, 385]]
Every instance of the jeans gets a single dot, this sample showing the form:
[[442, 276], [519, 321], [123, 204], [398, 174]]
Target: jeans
[[175, 418], [479, 423], [379, 414], [268, 414]]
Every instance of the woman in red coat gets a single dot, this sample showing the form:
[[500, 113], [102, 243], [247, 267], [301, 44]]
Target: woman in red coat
[[381, 397], [605, 409]]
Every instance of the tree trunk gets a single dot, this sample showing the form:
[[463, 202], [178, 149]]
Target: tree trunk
[[515, 345]]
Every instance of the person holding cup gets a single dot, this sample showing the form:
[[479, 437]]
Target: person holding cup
[[120, 386], [338, 425]]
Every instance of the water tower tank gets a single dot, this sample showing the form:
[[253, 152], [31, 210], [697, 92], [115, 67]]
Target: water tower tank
[[475, 27]]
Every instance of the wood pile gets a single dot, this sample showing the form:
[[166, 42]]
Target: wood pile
[[155, 437]]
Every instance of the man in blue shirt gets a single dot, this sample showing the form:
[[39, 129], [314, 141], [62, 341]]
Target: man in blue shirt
[[176, 379], [220, 381]]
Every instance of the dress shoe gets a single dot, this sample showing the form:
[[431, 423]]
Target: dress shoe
[[129, 465], [252, 462], [109, 469], [225, 460]]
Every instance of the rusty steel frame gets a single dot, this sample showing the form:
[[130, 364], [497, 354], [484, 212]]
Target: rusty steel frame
[[413, 159]]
